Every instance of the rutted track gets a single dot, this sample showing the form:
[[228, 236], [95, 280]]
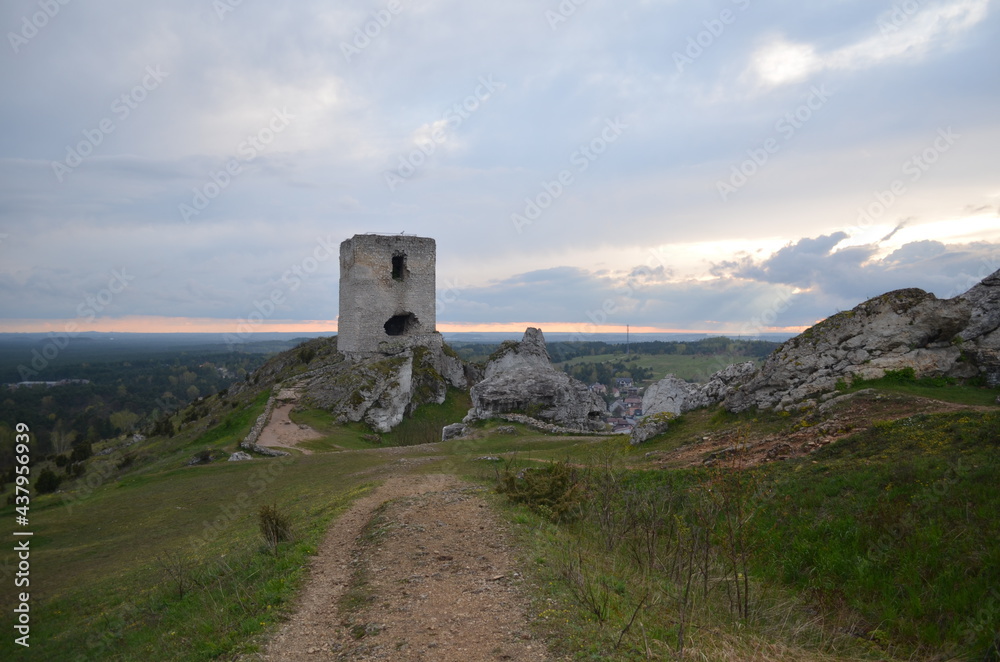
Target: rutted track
[[440, 582]]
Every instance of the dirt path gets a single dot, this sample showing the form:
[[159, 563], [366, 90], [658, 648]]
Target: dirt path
[[431, 577], [282, 432]]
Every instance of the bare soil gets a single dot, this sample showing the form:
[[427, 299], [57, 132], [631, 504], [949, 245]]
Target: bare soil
[[282, 432], [429, 574]]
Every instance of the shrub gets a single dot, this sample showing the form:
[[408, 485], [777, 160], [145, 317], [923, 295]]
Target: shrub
[[306, 354], [555, 490], [48, 482], [81, 452], [274, 526]]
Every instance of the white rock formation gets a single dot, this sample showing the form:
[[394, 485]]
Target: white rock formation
[[958, 337], [520, 378]]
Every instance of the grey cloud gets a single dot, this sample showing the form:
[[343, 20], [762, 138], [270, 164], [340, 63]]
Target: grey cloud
[[324, 176]]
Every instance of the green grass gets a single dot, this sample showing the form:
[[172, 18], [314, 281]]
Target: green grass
[[891, 534], [236, 425], [691, 367], [424, 426], [940, 388], [336, 436], [880, 546], [104, 588], [595, 601], [897, 524]]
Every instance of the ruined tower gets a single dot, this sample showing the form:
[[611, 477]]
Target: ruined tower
[[386, 292]]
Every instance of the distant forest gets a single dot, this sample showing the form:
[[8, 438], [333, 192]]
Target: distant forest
[[122, 397]]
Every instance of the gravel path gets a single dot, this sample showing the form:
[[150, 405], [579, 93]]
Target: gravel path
[[435, 575]]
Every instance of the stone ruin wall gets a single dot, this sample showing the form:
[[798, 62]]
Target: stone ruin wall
[[387, 291]]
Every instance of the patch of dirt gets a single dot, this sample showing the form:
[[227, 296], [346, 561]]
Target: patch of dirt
[[436, 577], [282, 432], [808, 431]]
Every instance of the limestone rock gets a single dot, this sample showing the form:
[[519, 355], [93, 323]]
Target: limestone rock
[[909, 328], [724, 382], [453, 431], [240, 456], [984, 316], [520, 377], [382, 389], [379, 389], [651, 426], [672, 395], [675, 396]]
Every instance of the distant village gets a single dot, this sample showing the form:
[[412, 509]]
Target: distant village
[[626, 409]]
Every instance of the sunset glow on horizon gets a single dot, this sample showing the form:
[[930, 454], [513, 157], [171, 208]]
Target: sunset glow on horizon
[[140, 324]]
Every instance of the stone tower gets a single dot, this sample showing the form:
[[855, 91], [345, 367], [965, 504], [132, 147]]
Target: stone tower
[[387, 293]]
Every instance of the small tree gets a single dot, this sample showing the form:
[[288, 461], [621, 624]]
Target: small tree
[[48, 482]]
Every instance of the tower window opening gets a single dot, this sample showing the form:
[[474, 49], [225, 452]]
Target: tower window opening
[[401, 325], [399, 267]]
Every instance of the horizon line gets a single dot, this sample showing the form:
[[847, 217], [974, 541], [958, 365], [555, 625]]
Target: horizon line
[[240, 327]]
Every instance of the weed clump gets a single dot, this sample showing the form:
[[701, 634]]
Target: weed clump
[[554, 490], [274, 526]]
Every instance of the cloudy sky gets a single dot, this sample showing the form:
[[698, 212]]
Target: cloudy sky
[[729, 166]]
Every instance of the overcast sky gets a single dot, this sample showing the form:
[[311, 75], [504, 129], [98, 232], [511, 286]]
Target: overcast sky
[[730, 166]]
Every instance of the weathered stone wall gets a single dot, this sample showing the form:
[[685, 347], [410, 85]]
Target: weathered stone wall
[[387, 291], [250, 442]]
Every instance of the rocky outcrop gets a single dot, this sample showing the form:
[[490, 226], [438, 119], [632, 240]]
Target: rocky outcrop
[[670, 397], [958, 338], [382, 389], [676, 396], [651, 426], [520, 378], [378, 389], [453, 431]]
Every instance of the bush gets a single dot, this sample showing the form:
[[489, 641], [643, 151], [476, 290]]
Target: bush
[[81, 452], [555, 490], [306, 354], [274, 526], [165, 427], [48, 482]]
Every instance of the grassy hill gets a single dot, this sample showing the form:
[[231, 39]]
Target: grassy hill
[[877, 538], [690, 367]]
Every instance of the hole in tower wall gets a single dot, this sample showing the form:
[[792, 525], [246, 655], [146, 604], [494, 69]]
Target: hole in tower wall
[[401, 325], [399, 266]]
